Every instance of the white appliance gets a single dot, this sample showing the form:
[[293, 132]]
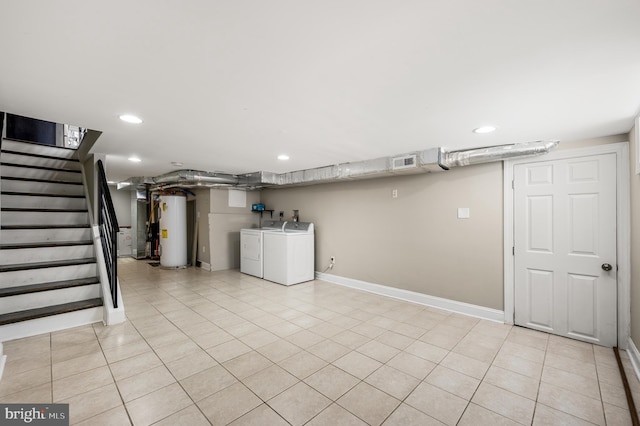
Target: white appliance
[[251, 247], [289, 254], [124, 242], [173, 230]]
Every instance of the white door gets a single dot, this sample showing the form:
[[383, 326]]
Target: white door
[[565, 244]]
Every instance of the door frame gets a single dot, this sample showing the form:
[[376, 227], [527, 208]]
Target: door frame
[[623, 229]]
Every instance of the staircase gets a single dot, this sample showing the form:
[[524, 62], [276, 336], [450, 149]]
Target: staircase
[[48, 270]]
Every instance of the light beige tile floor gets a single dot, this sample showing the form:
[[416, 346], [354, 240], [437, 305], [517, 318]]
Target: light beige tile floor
[[226, 348]]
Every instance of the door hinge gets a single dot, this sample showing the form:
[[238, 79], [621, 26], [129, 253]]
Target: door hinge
[[513, 250], [513, 184]]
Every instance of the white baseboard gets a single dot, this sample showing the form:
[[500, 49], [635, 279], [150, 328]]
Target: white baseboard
[[205, 266], [634, 357], [419, 298]]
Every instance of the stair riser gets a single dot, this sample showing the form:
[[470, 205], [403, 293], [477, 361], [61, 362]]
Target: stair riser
[[44, 218], [10, 236], [38, 149], [45, 254], [37, 276], [25, 172], [41, 187], [41, 299], [8, 157], [49, 324], [36, 202]]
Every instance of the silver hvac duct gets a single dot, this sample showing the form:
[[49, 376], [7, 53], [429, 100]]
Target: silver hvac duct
[[191, 178], [426, 161], [469, 157]]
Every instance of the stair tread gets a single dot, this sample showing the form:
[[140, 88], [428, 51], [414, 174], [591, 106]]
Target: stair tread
[[25, 227], [40, 210], [39, 194], [63, 182], [49, 264], [32, 154], [44, 244], [31, 166], [53, 285], [30, 314]]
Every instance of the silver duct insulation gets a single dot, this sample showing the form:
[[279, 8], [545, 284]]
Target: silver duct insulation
[[430, 160], [191, 178], [423, 162], [469, 157]]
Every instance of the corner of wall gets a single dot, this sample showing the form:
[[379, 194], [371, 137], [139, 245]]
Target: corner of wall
[[3, 360]]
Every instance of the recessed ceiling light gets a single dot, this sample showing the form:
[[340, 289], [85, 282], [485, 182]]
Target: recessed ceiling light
[[130, 118], [176, 164], [283, 157], [134, 159], [485, 129], [111, 182]]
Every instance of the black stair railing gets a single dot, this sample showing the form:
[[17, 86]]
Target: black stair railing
[[108, 225]]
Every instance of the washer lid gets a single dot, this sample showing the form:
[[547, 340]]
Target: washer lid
[[303, 227], [273, 224]]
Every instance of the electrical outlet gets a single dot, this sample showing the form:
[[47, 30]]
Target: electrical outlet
[[394, 193], [204, 249]]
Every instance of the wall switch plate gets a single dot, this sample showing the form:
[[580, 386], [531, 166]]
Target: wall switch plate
[[464, 213], [394, 193]]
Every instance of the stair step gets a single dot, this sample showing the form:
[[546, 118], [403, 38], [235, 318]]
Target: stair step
[[41, 186], [45, 244], [19, 171], [54, 285], [38, 148], [26, 159], [38, 194], [31, 314], [40, 210], [31, 154], [43, 234], [41, 180], [13, 216], [42, 265], [16, 227], [18, 276], [36, 201], [38, 252], [38, 167]]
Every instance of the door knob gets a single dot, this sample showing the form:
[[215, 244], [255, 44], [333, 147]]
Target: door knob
[[607, 267]]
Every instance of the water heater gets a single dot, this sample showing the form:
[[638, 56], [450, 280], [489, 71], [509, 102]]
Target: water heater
[[173, 230]]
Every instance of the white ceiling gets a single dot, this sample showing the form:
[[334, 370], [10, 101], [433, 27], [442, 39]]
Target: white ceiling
[[229, 85]]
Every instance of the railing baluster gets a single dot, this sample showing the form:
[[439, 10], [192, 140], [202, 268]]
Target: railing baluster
[[108, 225]]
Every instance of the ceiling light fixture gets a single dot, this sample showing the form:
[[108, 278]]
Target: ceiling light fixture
[[130, 119], [176, 164], [134, 159], [485, 129], [283, 157]]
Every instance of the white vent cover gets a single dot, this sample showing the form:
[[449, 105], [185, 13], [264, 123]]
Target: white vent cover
[[406, 162]]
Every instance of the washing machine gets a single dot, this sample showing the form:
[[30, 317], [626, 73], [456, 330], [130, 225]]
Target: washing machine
[[251, 247], [289, 253]]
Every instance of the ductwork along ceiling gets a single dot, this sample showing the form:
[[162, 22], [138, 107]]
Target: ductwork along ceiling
[[427, 161]]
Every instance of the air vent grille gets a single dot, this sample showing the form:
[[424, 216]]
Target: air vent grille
[[406, 162]]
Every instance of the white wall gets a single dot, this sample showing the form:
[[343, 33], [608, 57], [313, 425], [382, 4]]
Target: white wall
[[225, 223], [415, 241], [122, 205]]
